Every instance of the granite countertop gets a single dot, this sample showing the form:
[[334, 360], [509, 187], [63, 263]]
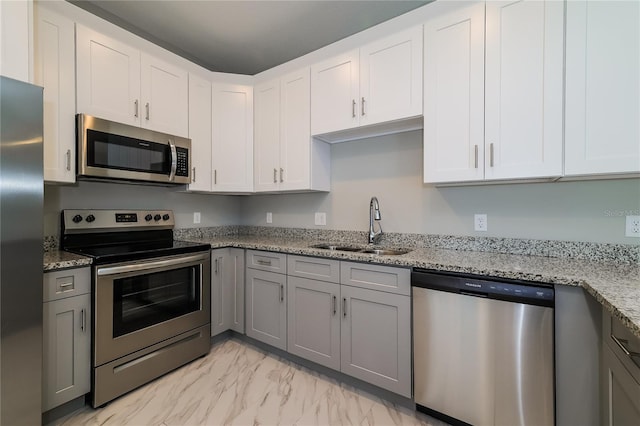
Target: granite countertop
[[615, 285]]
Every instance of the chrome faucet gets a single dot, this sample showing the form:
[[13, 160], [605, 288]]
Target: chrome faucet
[[374, 214]]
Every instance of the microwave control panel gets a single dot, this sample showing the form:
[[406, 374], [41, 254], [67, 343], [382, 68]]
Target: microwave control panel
[[182, 168]]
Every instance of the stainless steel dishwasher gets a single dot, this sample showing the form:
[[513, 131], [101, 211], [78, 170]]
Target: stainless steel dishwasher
[[483, 350]]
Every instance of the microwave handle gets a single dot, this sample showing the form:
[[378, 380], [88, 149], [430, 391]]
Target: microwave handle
[[174, 160]]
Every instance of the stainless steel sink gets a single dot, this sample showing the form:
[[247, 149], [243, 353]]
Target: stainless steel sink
[[386, 252], [364, 250]]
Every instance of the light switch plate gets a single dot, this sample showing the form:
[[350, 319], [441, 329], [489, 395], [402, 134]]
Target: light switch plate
[[196, 217], [321, 218], [632, 226], [269, 217]]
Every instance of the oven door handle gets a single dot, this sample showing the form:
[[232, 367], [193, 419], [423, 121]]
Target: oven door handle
[[174, 160], [156, 264]]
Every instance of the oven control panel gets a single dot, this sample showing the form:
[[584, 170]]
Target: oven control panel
[[87, 220]]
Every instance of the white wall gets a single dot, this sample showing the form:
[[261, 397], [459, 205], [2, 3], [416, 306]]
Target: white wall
[[215, 209], [390, 167]]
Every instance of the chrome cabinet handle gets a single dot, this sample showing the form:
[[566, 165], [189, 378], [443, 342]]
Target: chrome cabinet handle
[[215, 271], [193, 178], [215, 176], [275, 176], [282, 292], [263, 262], [135, 103], [491, 154], [475, 148], [353, 108], [83, 320], [335, 305], [362, 108], [174, 160], [63, 287], [621, 343], [344, 307], [68, 160], [147, 109], [281, 172]]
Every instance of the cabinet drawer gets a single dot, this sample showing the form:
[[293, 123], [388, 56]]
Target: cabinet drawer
[[314, 268], [67, 283], [624, 344], [267, 261], [376, 277]]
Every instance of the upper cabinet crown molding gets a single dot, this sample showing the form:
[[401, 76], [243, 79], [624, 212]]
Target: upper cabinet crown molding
[[366, 88], [117, 82], [509, 125], [602, 130]]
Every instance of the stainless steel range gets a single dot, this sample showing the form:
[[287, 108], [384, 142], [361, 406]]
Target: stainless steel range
[[151, 296]]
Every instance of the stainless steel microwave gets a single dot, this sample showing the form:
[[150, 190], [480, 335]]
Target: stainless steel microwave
[[115, 151]]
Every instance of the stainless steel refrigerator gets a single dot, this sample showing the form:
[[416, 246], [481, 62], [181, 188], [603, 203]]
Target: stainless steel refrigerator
[[21, 208]]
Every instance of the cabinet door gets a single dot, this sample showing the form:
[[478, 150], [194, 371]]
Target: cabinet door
[[108, 77], [232, 146], [165, 96], [233, 272], [524, 89], [621, 392], [454, 96], [267, 136], [200, 133], [14, 39], [295, 131], [335, 94], [376, 338], [266, 307], [314, 321], [66, 350], [220, 297], [602, 87], [54, 70], [391, 78]]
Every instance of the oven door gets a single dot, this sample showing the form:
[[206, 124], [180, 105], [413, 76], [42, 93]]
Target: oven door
[[138, 304]]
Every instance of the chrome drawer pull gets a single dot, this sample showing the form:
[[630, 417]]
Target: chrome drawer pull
[[263, 262], [621, 343], [335, 303]]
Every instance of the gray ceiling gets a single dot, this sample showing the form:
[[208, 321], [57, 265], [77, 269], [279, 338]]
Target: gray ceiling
[[245, 37]]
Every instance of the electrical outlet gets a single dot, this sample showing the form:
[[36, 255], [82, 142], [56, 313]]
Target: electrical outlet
[[321, 218], [269, 217], [196, 217], [632, 228], [480, 222]]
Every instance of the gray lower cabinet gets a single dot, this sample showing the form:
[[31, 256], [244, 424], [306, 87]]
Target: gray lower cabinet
[[620, 374], [314, 320], [376, 338], [227, 290], [66, 336], [266, 307]]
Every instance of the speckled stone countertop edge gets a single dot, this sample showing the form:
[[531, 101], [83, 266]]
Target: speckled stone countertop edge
[[602, 280]]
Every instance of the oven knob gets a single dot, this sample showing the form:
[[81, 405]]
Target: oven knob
[[148, 217], [91, 218], [165, 217], [77, 218], [157, 217]]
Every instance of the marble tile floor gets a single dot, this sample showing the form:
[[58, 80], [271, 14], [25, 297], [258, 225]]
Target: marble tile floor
[[238, 384]]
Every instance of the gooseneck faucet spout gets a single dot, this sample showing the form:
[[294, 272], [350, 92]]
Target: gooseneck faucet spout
[[374, 214]]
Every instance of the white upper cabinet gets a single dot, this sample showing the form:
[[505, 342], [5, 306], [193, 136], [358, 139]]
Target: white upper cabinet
[[165, 95], [54, 70], [116, 82], [378, 83], [15, 44], [602, 129], [454, 96], [509, 124], [335, 94], [232, 143], [108, 77], [286, 157], [523, 89], [391, 78], [200, 133]]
